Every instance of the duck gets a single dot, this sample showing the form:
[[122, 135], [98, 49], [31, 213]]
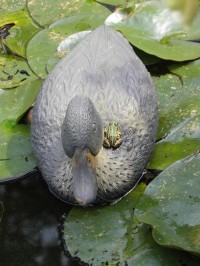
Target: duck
[[94, 122]]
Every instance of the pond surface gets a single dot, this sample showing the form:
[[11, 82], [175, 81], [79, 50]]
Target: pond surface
[[30, 230]]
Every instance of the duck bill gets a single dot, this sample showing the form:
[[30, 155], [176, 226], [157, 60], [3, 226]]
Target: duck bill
[[84, 177]]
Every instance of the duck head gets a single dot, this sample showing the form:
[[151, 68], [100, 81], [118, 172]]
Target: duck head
[[82, 138]]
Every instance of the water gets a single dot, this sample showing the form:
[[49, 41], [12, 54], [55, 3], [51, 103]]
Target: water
[[30, 230]]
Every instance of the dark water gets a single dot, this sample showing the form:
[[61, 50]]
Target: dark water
[[30, 230]]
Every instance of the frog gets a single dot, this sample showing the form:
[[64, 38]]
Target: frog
[[112, 136]]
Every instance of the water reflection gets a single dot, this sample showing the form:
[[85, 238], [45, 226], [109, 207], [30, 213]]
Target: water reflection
[[29, 229]]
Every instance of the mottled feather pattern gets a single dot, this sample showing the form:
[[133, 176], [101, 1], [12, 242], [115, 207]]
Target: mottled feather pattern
[[104, 68]]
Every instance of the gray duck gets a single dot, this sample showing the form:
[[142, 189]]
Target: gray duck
[[94, 122]]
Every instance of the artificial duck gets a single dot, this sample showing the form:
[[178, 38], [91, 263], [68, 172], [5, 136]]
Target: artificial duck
[[99, 93]]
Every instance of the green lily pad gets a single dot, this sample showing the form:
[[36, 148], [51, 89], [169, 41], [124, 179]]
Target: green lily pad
[[43, 45], [15, 150], [16, 167], [15, 102], [8, 6], [171, 205], [169, 88], [179, 110], [178, 96], [48, 11], [15, 141], [20, 34], [14, 72], [89, 232], [111, 235], [183, 141], [155, 29]]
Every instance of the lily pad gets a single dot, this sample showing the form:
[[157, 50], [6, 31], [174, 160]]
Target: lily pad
[[179, 110], [184, 140], [48, 11], [178, 95], [20, 34], [16, 167], [158, 30], [111, 235], [89, 232], [14, 72], [15, 102], [15, 150], [171, 205], [8, 6], [43, 45]]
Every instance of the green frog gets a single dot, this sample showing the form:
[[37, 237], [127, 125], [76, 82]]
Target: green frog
[[112, 136]]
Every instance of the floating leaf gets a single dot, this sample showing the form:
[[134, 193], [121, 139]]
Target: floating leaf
[[44, 44], [171, 205], [179, 110], [15, 150], [90, 232], [15, 167], [48, 11], [20, 34], [15, 140], [8, 6], [184, 140], [158, 30], [112, 235], [15, 102], [14, 72]]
